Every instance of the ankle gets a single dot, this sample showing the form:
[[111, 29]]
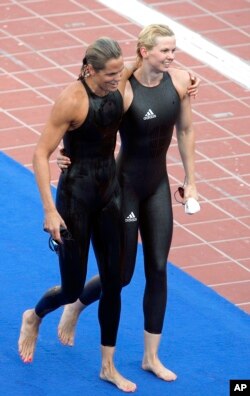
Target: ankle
[[77, 307], [108, 367], [107, 357], [150, 357], [32, 317]]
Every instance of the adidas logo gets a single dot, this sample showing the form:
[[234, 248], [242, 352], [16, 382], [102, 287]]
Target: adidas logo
[[131, 217], [149, 115]]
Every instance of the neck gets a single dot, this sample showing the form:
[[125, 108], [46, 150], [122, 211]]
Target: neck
[[148, 77], [97, 90]]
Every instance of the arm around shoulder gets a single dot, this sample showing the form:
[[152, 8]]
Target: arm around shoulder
[[190, 81], [128, 70]]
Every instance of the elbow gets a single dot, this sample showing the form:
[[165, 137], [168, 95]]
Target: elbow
[[39, 156]]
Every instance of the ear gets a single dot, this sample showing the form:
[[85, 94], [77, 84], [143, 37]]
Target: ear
[[144, 52], [91, 70]]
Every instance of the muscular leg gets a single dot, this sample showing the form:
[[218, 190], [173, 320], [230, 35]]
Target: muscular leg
[[92, 289], [108, 243], [73, 268], [156, 226], [71, 312], [72, 280]]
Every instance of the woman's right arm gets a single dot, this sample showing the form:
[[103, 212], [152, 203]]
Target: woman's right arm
[[59, 121]]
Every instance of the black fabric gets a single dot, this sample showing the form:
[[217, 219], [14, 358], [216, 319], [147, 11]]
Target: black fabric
[[146, 133], [96, 137], [89, 200]]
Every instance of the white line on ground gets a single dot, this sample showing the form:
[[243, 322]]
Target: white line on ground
[[188, 41]]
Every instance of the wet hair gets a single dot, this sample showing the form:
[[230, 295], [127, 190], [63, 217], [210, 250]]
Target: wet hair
[[147, 37], [98, 54]]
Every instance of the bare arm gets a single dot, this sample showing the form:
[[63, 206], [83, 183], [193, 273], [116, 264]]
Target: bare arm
[[61, 118], [193, 88], [186, 145], [194, 82], [127, 72]]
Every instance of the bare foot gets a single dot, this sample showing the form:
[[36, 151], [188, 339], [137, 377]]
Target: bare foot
[[112, 375], [157, 368], [28, 335], [67, 324]]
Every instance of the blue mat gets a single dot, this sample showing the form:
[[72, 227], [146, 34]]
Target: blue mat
[[205, 340]]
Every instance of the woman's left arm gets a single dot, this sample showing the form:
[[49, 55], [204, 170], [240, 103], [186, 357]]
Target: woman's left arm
[[186, 145]]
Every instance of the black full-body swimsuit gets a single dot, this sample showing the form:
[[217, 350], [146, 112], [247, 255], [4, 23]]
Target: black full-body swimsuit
[[89, 201], [146, 133]]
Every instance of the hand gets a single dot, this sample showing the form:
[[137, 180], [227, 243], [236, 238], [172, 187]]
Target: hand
[[53, 223], [190, 191], [62, 160], [193, 89]]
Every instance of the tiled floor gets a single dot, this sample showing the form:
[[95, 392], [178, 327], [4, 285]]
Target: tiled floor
[[42, 43]]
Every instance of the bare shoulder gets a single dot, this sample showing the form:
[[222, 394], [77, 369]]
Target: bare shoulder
[[180, 74], [72, 103], [181, 80], [72, 95]]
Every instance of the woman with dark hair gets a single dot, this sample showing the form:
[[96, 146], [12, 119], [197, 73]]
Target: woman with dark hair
[[86, 116]]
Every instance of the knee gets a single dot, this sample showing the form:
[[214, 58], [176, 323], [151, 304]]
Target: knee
[[161, 270], [113, 288], [71, 296], [157, 274]]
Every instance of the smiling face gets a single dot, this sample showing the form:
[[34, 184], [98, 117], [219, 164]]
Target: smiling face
[[107, 79], [162, 54]]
